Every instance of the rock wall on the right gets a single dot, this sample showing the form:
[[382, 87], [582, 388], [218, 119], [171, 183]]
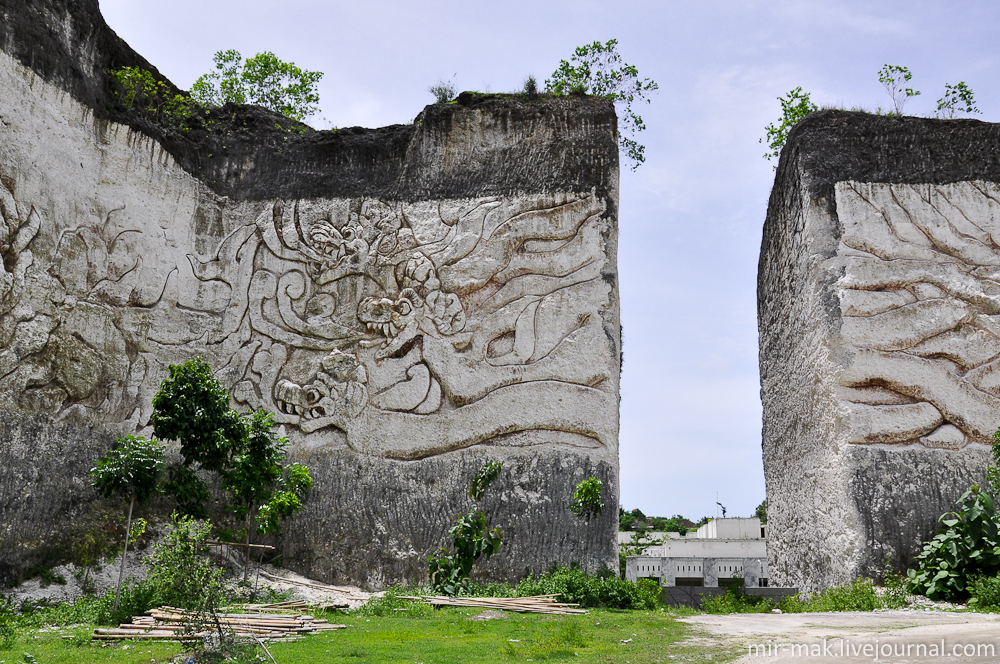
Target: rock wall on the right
[[879, 319]]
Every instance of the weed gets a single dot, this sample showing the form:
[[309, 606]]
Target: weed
[[443, 91], [985, 592]]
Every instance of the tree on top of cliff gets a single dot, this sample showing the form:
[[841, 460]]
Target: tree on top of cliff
[[263, 80], [597, 69]]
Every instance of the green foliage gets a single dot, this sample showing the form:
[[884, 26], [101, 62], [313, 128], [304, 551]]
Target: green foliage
[[957, 99], [598, 69], [895, 78], [472, 538], [736, 601], [985, 591], [8, 633], [858, 596], [965, 546], [137, 89], [131, 469], [264, 80], [192, 407], [179, 574], [587, 502], [135, 599], [993, 471], [530, 88], [761, 512], [443, 91], [794, 107], [189, 491], [390, 603], [604, 589]]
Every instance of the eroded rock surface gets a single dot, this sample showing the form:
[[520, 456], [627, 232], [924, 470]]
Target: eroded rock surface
[[878, 298]]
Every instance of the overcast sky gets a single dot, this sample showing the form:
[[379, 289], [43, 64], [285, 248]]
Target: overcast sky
[[690, 218]]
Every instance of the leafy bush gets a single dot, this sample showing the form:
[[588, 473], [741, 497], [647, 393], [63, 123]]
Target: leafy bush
[[794, 107], [598, 69], [137, 89], [179, 575], [735, 601], [264, 80], [443, 91], [8, 633], [858, 596], [136, 598], [985, 591], [602, 590], [390, 603], [965, 546]]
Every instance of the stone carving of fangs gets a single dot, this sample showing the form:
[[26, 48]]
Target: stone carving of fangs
[[411, 326]]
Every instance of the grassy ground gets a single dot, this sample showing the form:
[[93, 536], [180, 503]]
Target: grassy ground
[[439, 636]]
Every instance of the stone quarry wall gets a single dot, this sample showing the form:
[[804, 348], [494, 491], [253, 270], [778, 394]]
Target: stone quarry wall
[[879, 317], [410, 302]]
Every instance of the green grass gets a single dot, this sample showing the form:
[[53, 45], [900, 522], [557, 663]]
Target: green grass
[[441, 636]]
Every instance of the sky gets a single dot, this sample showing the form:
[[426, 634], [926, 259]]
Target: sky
[[690, 217]]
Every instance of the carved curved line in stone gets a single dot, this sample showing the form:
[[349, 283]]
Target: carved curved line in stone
[[296, 281], [265, 224], [969, 347], [433, 400], [583, 248], [945, 237], [524, 339], [27, 232], [540, 285], [492, 254], [961, 222], [873, 274], [855, 302], [8, 213], [970, 409], [870, 228], [461, 238], [239, 300], [540, 405], [406, 394], [892, 424], [262, 294], [218, 266], [465, 384], [904, 326]]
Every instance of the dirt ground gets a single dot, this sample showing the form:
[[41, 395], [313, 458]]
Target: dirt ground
[[897, 637]]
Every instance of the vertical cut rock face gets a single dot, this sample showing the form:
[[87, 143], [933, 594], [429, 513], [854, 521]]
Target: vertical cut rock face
[[879, 315], [411, 302]]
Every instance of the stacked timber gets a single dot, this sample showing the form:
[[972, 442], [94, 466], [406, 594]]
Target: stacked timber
[[267, 622], [534, 604]]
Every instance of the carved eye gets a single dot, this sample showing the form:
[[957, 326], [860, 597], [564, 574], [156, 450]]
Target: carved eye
[[403, 307], [312, 395]]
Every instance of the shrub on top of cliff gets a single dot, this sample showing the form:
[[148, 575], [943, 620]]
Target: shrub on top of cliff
[[597, 69], [264, 80], [136, 89], [443, 91], [895, 78], [794, 107], [530, 88], [449, 573], [957, 99]]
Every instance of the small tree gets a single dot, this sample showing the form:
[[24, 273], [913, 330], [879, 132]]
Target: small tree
[[598, 69], [449, 573], [130, 470], [586, 505], [761, 512], [957, 99], [264, 80], [443, 91], [262, 491], [794, 107], [894, 78]]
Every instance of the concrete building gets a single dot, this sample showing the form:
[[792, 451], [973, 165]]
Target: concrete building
[[718, 553]]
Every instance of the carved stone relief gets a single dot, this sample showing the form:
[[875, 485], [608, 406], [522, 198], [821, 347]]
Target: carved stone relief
[[920, 299]]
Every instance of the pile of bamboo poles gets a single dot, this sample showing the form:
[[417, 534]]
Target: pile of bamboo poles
[[536, 604], [280, 622]]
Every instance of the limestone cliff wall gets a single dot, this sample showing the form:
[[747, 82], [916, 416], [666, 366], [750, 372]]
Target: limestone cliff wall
[[411, 301], [878, 342]]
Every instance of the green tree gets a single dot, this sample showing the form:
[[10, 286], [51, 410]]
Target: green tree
[[957, 99], [761, 511], [894, 78], [598, 69], [443, 91], [264, 80], [178, 572], [472, 538], [137, 89], [261, 490], [131, 470], [794, 107], [587, 505], [192, 407]]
